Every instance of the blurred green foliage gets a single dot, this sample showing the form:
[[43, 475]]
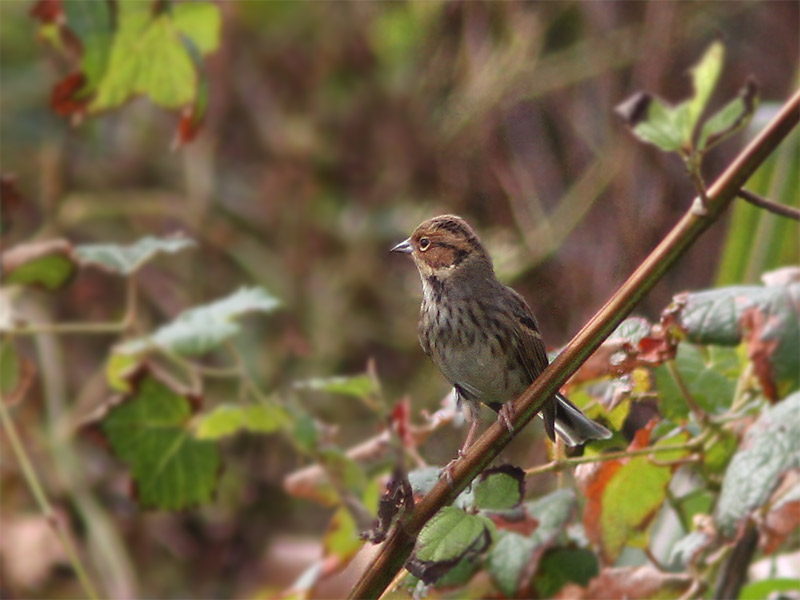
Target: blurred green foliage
[[332, 129]]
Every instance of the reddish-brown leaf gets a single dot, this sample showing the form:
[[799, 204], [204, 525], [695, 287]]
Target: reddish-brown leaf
[[783, 516], [631, 583], [759, 349], [47, 11], [64, 99]]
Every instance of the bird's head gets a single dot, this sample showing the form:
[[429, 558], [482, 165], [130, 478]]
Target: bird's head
[[444, 245]]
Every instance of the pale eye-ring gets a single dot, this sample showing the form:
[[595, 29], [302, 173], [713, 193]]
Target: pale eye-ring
[[424, 244]]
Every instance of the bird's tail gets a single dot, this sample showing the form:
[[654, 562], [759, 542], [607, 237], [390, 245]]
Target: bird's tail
[[573, 426]]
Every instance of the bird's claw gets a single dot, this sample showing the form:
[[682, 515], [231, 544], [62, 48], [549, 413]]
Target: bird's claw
[[506, 415]]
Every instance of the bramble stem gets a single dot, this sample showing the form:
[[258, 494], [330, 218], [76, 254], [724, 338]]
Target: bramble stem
[[398, 546]]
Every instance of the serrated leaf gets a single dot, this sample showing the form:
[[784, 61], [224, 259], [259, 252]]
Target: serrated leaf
[[129, 259], [768, 318], [710, 374], [564, 565], [513, 553], [770, 448], [624, 496], [49, 264], [499, 488], [148, 55], [149, 431], [732, 117], [229, 419], [704, 79], [203, 328], [359, 386], [508, 559], [631, 329], [687, 549], [449, 537], [663, 127]]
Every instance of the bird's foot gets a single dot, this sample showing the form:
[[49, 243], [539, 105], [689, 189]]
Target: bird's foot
[[448, 470], [506, 415]]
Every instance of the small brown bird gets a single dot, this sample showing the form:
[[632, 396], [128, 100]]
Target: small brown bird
[[481, 333]]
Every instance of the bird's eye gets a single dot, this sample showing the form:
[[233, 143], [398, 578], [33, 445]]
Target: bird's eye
[[424, 244]]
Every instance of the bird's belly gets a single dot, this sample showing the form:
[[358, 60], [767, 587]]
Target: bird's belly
[[483, 372]]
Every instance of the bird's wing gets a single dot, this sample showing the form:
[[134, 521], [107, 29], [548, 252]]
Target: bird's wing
[[531, 352]]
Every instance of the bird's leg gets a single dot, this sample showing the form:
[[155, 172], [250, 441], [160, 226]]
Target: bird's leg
[[475, 421], [506, 414]]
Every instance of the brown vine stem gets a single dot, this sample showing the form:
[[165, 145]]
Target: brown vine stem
[[398, 546], [565, 463]]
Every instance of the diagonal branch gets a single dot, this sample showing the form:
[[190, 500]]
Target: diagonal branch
[[397, 548]]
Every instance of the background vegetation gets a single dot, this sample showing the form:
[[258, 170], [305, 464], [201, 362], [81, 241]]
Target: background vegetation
[[330, 131]]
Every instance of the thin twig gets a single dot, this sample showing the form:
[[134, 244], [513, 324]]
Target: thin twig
[[32, 479], [773, 207], [699, 413], [560, 465]]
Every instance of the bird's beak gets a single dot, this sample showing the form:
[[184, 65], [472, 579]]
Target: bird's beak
[[405, 247]]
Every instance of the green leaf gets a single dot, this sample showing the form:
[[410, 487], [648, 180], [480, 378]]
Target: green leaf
[[732, 117], [10, 367], [687, 549], [229, 419], [450, 536], [704, 79], [552, 512], [423, 479], [148, 55], [768, 318], [499, 488], [201, 22], [711, 375], [630, 500], [50, 264], [770, 448], [511, 556], [359, 386], [118, 369], [632, 329], [664, 126], [769, 588], [149, 430], [508, 559], [129, 259], [349, 474], [342, 538], [564, 565], [203, 328], [92, 22]]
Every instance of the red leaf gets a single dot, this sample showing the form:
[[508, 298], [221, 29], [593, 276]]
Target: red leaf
[[783, 516], [63, 99], [188, 127], [759, 349], [47, 11], [399, 421], [593, 478]]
